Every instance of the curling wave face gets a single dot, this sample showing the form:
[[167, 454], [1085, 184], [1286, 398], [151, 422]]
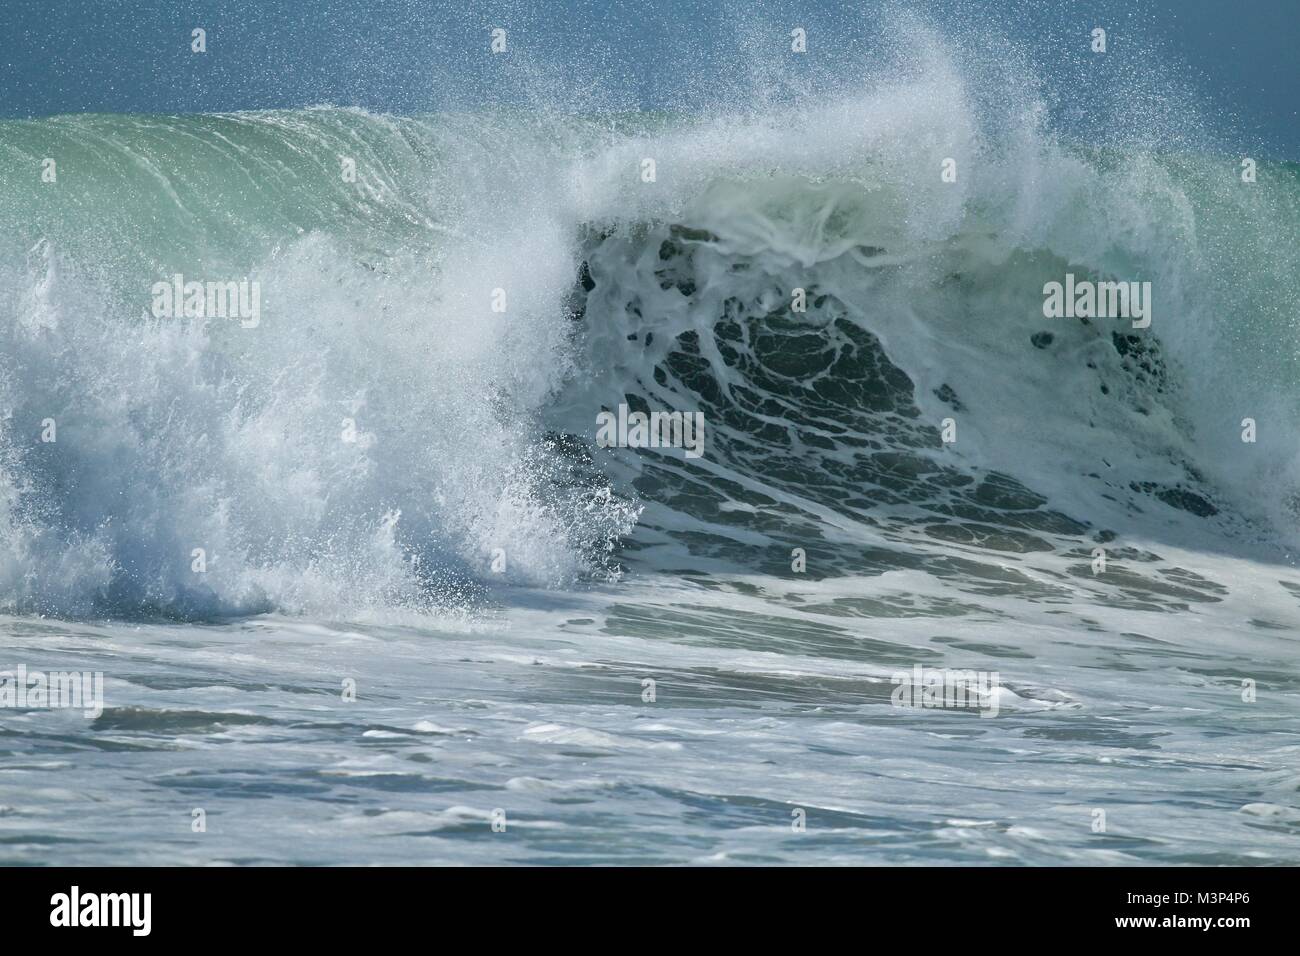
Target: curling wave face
[[384, 432], [917, 470]]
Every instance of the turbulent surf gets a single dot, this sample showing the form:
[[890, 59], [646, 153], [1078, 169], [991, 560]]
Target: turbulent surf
[[394, 475]]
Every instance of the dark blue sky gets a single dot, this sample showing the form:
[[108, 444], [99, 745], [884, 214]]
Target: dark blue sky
[[1237, 57]]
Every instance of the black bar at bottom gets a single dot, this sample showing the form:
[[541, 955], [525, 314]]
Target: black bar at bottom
[[331, 906]]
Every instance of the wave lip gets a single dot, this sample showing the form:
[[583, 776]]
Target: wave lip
[[410, 420]]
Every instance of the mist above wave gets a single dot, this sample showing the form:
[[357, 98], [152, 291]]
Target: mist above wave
[[389, 437]]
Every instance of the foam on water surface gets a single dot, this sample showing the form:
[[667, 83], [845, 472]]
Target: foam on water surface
[[352, 465]]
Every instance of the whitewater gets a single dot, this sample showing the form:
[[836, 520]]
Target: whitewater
[[364, 588]]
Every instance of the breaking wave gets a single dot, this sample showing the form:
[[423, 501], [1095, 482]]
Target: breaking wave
[[386, 438]]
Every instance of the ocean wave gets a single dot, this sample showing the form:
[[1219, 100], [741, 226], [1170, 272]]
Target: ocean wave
[[412, 419]]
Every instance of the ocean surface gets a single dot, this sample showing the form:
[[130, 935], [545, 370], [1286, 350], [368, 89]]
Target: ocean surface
[[398, 497]]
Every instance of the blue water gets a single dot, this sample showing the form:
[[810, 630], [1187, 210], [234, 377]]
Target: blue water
[[364, 587]]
